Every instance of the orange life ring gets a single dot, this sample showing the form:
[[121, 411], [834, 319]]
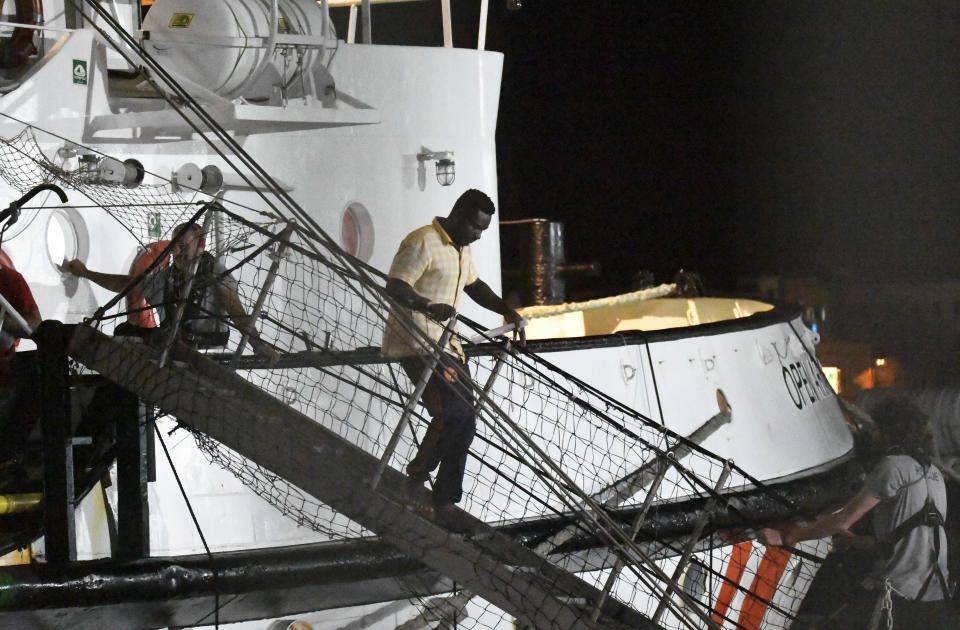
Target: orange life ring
[[137, 312], [20, 45]]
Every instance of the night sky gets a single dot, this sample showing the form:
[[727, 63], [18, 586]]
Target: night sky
[[801, 138]]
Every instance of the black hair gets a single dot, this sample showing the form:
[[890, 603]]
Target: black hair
[[902, 427], [196, 227], [473, 200]]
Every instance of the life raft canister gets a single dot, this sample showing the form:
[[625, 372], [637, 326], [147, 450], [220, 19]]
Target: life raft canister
[[138, 311], [20, 46]]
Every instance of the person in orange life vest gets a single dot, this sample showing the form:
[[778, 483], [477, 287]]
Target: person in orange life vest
[[214, 293]]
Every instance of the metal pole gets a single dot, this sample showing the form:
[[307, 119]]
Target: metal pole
[[367, 27], [413, 400], [694, 537], [352, 25], [482, 29], [218, 230], [283, 237], [496, 369], [626, 487], [447, 24], [663, 465], [133, 513], [6, 307], [491, 334], [325, 28], [182, 307], [653, 375]]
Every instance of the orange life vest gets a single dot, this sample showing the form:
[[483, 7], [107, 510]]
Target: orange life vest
[[137, 308]]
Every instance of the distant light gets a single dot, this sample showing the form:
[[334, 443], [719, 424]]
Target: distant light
[[880, 361], [815, 327], [833, 377]]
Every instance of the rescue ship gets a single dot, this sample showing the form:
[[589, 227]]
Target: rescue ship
[[647, 433]]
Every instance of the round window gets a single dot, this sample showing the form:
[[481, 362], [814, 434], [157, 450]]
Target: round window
[[350, 233], [63, 242], [356, 231], [66, 238]]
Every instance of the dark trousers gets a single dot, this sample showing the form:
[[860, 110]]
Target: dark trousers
[[855, 614], [448, 399], [910, 615]]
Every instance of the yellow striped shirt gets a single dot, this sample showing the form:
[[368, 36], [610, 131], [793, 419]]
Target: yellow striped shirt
[[429, 262]]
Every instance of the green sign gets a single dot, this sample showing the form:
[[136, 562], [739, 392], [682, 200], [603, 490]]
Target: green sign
[[181, 20], [155, 225], [80, 71]]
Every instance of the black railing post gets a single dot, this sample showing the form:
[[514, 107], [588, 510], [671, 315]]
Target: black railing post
[[134, 427], [52, 339]]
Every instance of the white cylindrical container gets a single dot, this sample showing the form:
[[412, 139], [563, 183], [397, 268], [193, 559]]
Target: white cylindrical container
[[227, 45]]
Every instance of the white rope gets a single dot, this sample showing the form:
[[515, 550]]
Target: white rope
[[547, 310]]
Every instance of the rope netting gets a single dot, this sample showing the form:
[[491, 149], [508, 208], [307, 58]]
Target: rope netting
[[556, 465]]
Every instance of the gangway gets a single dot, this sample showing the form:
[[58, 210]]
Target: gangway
[[213, 400]]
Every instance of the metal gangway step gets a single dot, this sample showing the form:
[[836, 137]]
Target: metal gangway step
[[211, 399]]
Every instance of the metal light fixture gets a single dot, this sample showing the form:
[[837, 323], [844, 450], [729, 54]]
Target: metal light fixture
[[446, 167]]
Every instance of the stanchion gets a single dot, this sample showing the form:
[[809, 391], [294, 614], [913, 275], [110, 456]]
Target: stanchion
[[431, 363]]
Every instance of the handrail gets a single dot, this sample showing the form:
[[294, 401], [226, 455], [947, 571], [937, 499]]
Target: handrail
[[6, 307], [38, 27]]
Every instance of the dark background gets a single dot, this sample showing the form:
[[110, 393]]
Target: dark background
[[798, 138]]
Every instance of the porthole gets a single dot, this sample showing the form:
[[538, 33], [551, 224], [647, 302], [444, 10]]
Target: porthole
[[356, 231], [350, 233], [66, 236]]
